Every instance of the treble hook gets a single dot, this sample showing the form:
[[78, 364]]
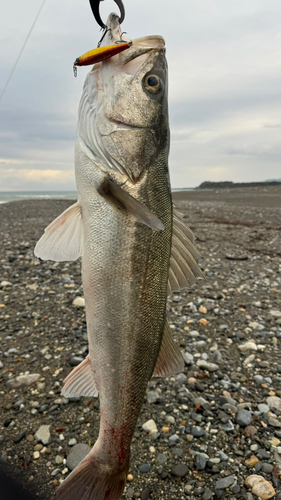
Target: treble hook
[[95, 6]]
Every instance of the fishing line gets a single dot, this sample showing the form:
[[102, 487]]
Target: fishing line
[[21, 51]]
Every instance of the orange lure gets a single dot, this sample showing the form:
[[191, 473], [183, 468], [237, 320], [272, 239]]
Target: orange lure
[[101, 53]]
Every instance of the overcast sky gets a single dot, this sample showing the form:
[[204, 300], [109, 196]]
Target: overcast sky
[[224, 61]]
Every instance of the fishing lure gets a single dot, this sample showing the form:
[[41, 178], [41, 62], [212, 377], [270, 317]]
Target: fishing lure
[[100, 54]]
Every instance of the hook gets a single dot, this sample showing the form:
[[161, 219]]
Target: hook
[[95, 6]]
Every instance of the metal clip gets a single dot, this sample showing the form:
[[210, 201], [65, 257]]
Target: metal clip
[[95, 6]]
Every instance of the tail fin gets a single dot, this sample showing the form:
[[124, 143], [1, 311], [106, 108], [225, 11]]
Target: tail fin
[[91, 480]]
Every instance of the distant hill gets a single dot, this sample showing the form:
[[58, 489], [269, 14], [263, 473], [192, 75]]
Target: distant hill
[[273, 180], [231, 185]]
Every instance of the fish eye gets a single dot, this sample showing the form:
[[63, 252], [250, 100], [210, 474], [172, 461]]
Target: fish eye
[[153, 84]]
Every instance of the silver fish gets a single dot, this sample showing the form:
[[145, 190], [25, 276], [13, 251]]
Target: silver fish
[[134, 250]]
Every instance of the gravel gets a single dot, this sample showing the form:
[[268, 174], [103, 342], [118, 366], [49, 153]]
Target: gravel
[[228, 414]]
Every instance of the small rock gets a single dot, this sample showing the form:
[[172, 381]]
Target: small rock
[[274, 422], [130, 492], [202, 310], [23, 380], [19, 437], [79, 302], [36, 455], [260, 487], [274, 402], [188, 358], [180, 378], [252, 461], [208, 494], [145, 494], [227, 427], [263, 408], [267, 468], [243, 418], [144, 468], [161, 458], [75, 360], [275, 313], [38, 447], [174, 438], [179, 470], [59, 459], [223, 456], [203, 321], [197, 431], [205, 365], [152, 396], [248, 346], [55, 472], [72, 442], [77, 454], [224, 483], [43, 434], [5, 284], [150, 426], [250, 431], [200, 461]]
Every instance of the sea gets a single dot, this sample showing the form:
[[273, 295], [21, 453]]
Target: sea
[[6, 196]]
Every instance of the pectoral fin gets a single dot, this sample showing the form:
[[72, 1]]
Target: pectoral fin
[[184, 268], [170, 360], [137, 209], [80, 382], [63, 238]]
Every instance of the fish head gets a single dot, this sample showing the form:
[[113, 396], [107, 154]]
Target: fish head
[[128, 93]]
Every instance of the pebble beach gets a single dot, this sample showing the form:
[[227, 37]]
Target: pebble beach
[[211, 432]]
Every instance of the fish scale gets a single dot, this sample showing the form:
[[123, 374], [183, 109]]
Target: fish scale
[[123, 227]]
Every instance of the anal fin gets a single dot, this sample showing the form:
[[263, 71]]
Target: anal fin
[[170, 360], [80, 382]]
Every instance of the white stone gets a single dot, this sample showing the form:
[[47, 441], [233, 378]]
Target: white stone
[[152, 396], [249, 360], [275, 313], [3, 284], [150, 426], [274, 402], [23, 380], [43, 434], [72, 442], [36, 455], [79, 302], [248, 346], [205, 365], [256, 326]]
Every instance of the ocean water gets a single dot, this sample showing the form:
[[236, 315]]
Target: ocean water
[[6, 196]]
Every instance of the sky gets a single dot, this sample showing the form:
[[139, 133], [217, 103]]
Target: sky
[[224, 60]]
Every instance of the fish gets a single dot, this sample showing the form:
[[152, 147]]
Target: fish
[[135, 249]]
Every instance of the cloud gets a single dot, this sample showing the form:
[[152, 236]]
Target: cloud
[[29, 179], [224, 87]]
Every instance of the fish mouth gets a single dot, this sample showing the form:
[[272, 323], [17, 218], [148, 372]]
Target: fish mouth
[[142, 46]]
